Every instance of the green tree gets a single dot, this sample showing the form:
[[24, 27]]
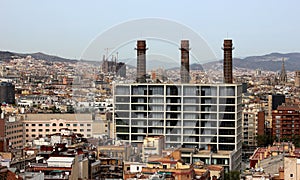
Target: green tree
[[232, 175], [264, 140]]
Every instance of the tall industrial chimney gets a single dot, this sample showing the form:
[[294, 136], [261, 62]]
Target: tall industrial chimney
[[141, 61], [185, 64], [227, 67]]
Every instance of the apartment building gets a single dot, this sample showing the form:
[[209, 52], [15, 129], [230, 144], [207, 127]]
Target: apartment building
[[41, 125], [15, 133], [206, 116], [286, 122], [253, 124]]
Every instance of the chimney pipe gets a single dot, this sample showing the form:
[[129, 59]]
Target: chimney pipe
[[185, 64], [141, 61], [227, 66]]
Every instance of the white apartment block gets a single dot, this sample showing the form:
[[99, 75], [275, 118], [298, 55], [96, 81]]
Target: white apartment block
[[205, 116]]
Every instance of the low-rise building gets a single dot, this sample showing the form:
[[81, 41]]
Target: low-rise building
[[122, 152], [153, 146]]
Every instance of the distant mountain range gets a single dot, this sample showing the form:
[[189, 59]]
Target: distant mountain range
[[6, 55], [270, 62]]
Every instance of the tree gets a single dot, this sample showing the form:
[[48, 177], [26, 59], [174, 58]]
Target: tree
[[232, 175], [264, 140]]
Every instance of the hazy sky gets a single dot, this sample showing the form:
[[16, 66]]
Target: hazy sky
[[66, 28]]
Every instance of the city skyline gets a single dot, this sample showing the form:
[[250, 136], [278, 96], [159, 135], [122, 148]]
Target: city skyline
[[67, 28]]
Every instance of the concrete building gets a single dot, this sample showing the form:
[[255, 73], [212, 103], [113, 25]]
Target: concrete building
[[270, 157], [132, 169], [121, 152], [41, 125], [169, 167], [291, 167], [152, 146], [7, 92], [188, 115]]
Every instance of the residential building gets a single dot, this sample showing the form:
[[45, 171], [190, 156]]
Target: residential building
[[41, 125], [188, 115], [253, 123], [14, 132], [169, 166], [152, 146], [286, 122], [121, 152]]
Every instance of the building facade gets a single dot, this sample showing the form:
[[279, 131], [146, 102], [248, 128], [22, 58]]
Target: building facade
[[253, 124], [41, 125], [7, 92], [152, 146], [207, 116], [286, 122], [14, 131]]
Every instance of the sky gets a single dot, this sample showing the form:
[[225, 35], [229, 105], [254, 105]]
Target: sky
[[67, 28]]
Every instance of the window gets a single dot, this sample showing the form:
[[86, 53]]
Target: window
[[67, 125], [32, 124], [61, 124], [81, 124], [88, 124], [47, 125], [88, 130], [47, 130], [40, 124], [53, 130], [81, 130], [40, 130], [33, 135], [27, 124], [32, 130], [74, 124], [54, 124], [75, 130], [291, 175]]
